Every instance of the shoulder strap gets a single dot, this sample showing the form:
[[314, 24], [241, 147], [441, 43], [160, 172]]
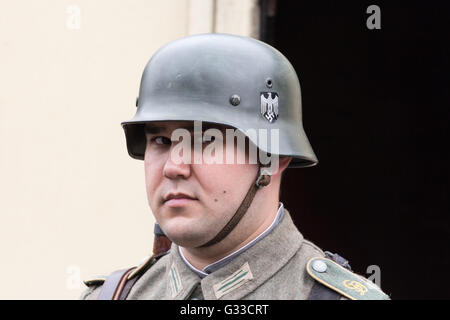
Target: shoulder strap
[[334, 273], [321, 292]]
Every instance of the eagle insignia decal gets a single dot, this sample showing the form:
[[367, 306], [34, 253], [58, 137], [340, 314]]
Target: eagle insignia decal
[[269, 106]]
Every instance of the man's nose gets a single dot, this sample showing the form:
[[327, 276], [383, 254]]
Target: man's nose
[[176, 166]]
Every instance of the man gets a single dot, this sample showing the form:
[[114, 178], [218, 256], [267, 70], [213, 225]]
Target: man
[[218, 122]]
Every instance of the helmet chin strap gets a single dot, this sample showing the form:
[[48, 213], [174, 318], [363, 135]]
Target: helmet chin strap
[[262, 180]]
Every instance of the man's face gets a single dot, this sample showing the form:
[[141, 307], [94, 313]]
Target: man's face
[[208, 193]]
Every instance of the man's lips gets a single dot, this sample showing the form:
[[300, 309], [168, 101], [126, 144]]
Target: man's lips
[[178, 199], [178, 195]]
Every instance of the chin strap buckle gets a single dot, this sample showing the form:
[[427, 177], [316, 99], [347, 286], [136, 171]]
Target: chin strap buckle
[[264, 178]]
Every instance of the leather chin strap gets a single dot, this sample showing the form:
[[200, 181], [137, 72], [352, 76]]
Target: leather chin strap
[[262, 180]]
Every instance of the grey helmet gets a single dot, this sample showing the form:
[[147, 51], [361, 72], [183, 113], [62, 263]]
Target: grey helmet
[[225, 79]]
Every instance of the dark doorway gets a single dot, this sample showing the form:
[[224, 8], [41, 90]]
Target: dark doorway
[[375, 108]]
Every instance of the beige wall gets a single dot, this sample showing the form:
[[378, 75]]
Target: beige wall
[[72, 202]]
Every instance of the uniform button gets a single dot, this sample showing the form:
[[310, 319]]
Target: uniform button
[[319, 266]]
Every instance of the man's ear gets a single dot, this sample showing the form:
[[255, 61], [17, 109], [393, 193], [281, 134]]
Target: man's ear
[[283, 163]]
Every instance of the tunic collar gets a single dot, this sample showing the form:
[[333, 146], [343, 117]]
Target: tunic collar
[[224, 261], [244, 272]]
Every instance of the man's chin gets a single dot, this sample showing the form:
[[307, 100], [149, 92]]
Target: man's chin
[[185, 241], [184, 238], [178, 212]]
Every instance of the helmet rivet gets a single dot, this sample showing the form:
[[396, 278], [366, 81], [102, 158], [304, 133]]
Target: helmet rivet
[[269, 83], [235, 99]]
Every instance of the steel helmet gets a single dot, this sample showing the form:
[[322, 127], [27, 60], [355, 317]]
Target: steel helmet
[[225, 79]]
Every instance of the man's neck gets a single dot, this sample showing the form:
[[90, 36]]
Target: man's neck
[[199, 258]]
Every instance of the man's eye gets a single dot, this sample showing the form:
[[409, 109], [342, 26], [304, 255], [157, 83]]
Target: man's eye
[[162, 140]]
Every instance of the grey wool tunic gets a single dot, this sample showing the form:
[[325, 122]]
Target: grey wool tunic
[[273, 268], [282, 265]]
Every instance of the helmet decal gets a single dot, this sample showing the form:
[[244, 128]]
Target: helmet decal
[[269, 106]]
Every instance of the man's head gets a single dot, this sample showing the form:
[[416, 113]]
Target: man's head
[[232, 82], [209, 193]]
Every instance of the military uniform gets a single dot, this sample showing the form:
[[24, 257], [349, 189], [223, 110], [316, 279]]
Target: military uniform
[[244, 84], [282, 265]]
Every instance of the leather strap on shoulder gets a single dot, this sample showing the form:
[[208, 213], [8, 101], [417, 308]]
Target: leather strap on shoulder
[[114, 284], [118, 285]]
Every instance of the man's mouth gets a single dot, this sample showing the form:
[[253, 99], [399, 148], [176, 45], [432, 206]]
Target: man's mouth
[[178, 199]]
